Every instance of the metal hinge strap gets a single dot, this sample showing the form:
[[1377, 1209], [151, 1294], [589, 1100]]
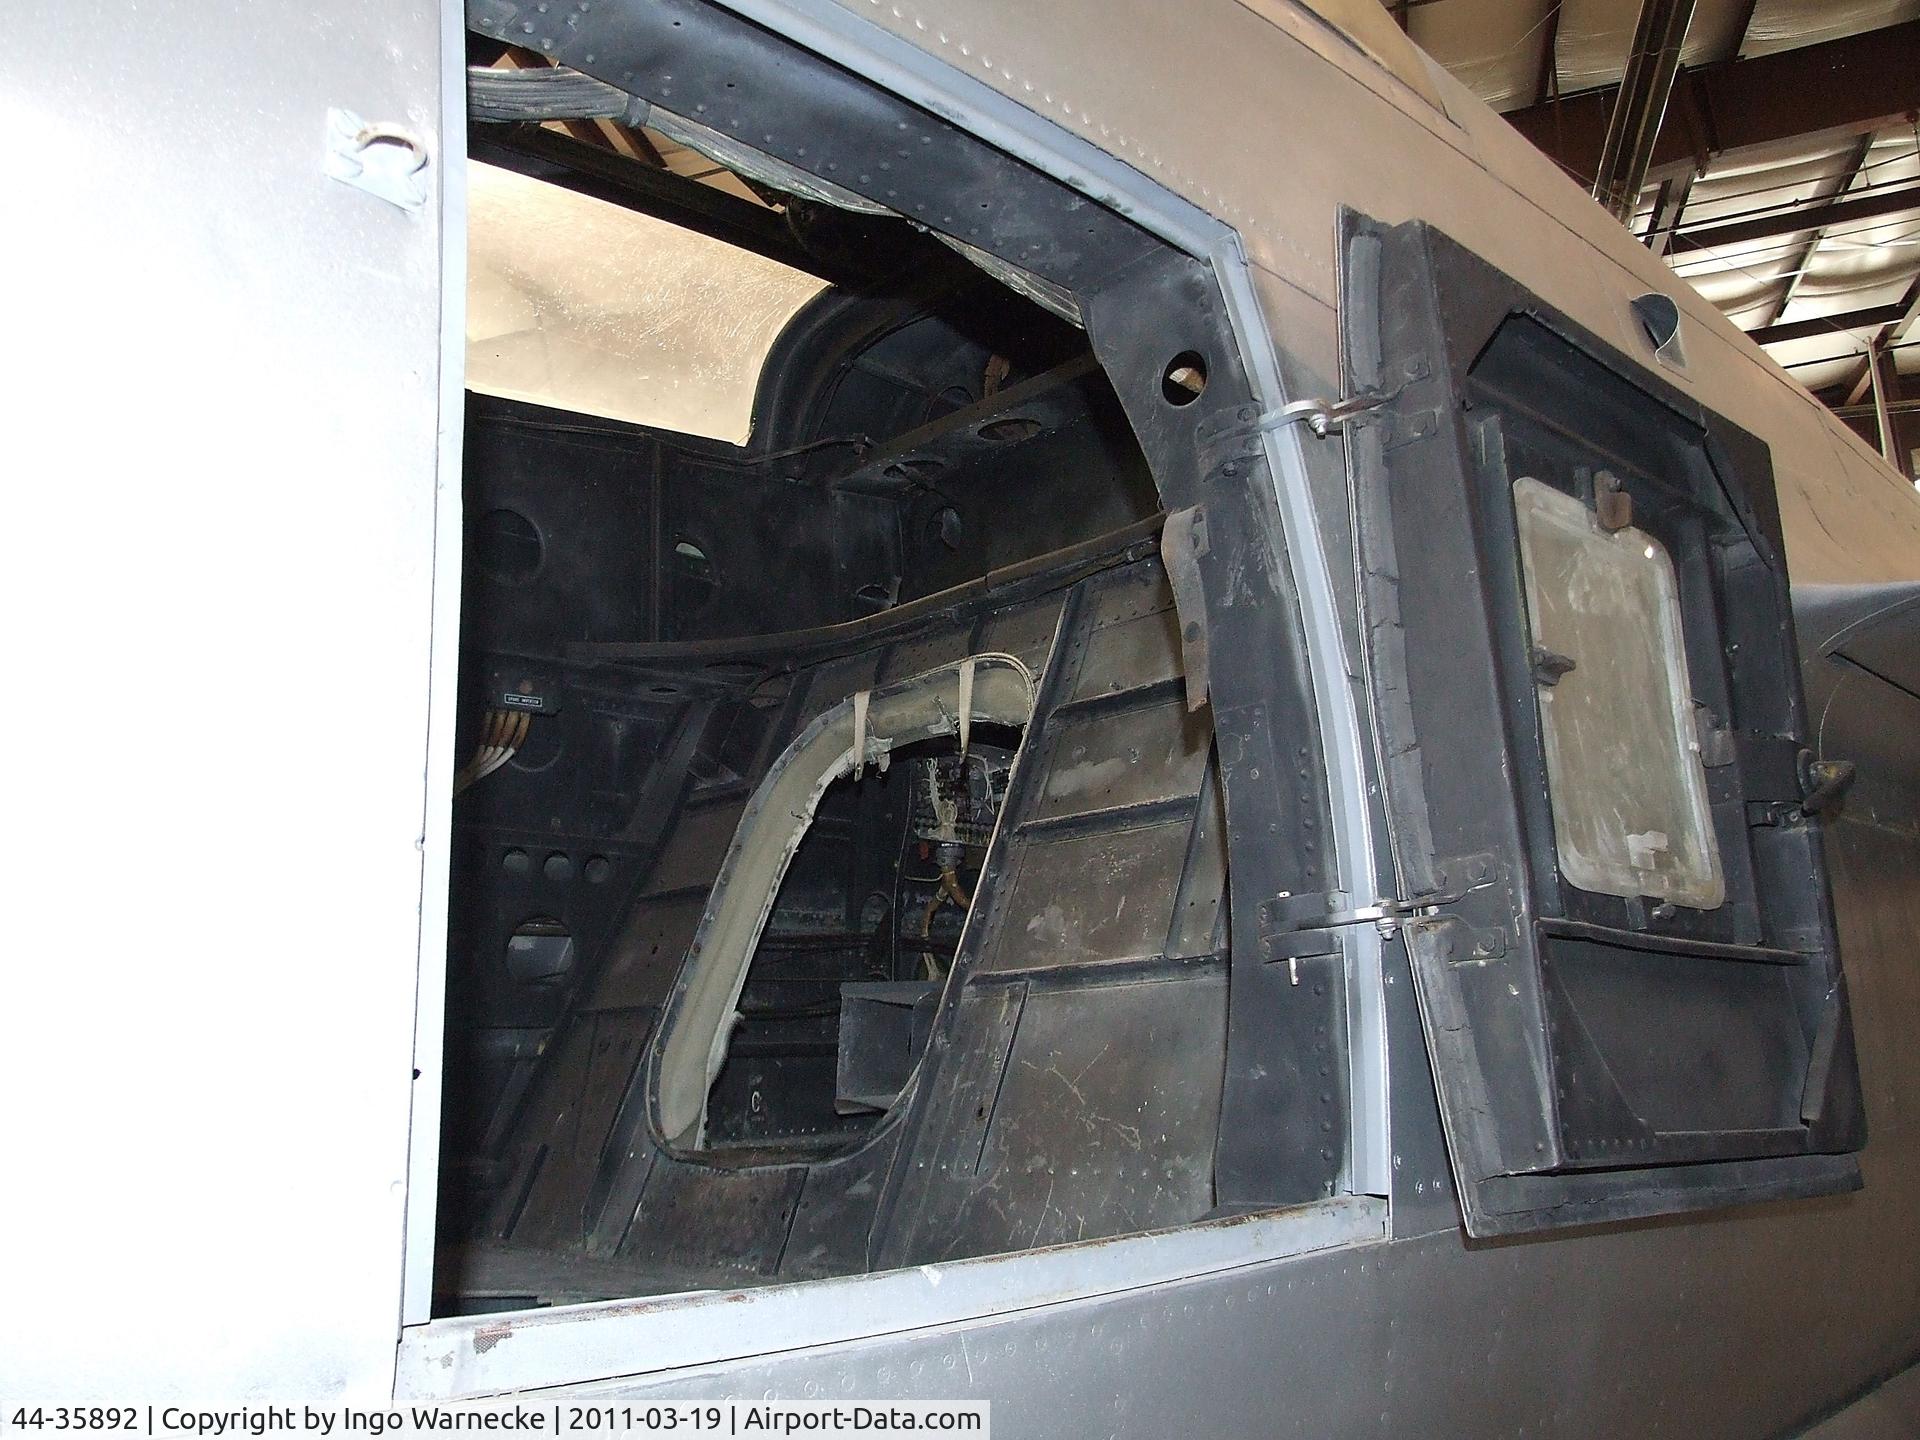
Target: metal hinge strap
[[1322, 416]]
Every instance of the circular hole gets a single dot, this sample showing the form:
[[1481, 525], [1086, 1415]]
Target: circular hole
[[1184, 378], [558, 867], [507, 547], [1008, 430], [599, 867]]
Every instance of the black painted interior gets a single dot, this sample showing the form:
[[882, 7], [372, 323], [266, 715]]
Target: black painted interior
[[912, 433]]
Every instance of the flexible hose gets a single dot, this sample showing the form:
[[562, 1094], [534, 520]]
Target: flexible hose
[[508, 97]]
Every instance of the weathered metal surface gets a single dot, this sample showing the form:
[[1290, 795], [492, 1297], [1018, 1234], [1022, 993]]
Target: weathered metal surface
[[1092, 898], [645, 955], [1137, 757], [489, 1354], [1645, 1330], [1135, 649], [1086, 1106], [1103, 1122], [1407, 1318], [1384, 1333]]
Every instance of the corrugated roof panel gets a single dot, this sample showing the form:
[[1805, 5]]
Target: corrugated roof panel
[[1493, 47], [1498, 48], [1789, 24], [1595, 36]]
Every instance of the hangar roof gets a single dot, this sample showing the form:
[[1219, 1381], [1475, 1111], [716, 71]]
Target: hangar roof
[[1752, 225]]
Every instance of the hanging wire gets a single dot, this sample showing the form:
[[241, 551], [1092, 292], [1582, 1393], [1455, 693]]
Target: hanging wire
[[1691, 264]]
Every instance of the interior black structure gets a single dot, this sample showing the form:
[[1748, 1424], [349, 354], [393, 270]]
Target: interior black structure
[[939, 468], [839, 994], [907, 837], [959, 462]]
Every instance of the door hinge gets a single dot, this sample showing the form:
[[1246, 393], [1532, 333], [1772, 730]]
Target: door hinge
[[1324, 416], [1296, 927]]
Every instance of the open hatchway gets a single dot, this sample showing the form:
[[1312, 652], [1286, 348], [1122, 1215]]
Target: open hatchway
[[842, 861], [836, 1002]]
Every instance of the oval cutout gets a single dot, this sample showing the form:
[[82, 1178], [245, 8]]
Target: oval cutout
[[1184, 378], [1009, 430]]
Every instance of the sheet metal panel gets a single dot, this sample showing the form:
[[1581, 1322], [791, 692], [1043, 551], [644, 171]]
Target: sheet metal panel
[[1092, 899], [1139, 757], [228, 407]]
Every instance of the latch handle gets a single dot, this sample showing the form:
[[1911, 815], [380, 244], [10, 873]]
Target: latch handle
[[1824, 783], [384, 159]]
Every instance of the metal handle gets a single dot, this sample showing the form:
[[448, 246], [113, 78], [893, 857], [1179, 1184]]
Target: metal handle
[[384, 159]]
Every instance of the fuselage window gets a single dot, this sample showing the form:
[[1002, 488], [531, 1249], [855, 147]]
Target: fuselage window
[[1630, 811]]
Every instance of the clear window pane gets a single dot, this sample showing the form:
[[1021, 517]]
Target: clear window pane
[[587, 306], [1630, 814]]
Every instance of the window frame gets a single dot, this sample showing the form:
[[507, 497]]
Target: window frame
[[1584, 1046], [1200, 285]]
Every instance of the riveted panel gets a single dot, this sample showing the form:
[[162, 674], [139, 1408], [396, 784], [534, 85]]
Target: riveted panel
[[1086, 899], [1102, 761]]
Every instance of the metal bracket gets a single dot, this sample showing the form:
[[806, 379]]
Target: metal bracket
[[1295, 927], [1183, 540], [1324, 416], [385, 160]]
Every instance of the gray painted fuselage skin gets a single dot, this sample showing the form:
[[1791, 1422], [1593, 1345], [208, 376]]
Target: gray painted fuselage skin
[[281, 1276], [1743, 1322], [1747, 1322]]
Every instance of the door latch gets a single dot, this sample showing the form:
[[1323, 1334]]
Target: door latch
[[385, 160], [1294, 927]]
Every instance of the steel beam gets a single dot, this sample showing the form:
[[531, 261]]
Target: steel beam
[[1670, 205], [1399, 9], [1640, 105], [1548, 85], [1812, 243], [1885, 379], [1855, 389], [1845, 323], [595, 169], [1842, 87], [1773, 224]]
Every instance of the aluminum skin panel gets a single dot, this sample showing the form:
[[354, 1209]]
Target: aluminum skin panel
[[227, 447]]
